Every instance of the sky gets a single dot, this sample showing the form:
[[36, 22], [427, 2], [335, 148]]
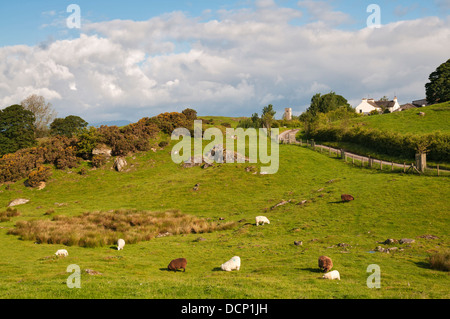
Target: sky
[[133, 59]]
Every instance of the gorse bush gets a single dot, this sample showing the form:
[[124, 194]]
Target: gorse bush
[[42, 174], [105, 228]]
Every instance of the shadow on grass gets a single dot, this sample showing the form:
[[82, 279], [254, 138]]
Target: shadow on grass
[[337, 202], [217, 269], [423, 264], [312, 270]]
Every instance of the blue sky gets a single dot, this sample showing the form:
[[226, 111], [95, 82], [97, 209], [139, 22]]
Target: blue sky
[[136, 58], [30, 21]]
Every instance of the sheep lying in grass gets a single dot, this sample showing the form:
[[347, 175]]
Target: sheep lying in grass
[[332, 275], [325, 263], [62, 252], [232, 264], [261, 220], [176, 264], [120, 244]]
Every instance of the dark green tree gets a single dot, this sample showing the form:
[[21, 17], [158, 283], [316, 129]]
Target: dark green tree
[[190, 114], [438, 89], [267, 117], [67, 126], [16, 129]]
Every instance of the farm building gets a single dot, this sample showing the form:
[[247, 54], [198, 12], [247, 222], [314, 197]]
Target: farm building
[[368, 105]]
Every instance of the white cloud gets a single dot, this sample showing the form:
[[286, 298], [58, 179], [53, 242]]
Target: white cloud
[[232, 66]]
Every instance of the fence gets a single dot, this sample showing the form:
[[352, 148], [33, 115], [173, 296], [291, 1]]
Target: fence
[[419, 166]]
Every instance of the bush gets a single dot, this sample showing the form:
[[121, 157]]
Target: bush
[[6, 215], [226, 124], [42, 174], [98, 160], [163, 144]]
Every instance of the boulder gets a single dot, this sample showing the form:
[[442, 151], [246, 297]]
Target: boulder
[[120, 163], [407, 241], [102, 150], [41, 185], [346, 197], [18, 201]]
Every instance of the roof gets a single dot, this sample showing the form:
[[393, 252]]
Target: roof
[[381, 104]]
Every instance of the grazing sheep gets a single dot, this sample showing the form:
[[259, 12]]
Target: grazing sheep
[[332, 275], [325, 263], [261, 220], [346, 197], [120, 244], [232, 264], [62, 252], [176, 264]]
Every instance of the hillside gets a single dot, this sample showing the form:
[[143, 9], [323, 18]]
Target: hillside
[[437, 118], [272, 266]]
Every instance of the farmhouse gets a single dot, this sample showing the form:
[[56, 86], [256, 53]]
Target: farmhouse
[[368, 105]]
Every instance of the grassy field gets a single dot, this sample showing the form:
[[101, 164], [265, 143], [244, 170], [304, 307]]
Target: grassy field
[[386, 206], [436, 119]]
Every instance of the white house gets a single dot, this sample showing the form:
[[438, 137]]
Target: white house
[[368, 105]]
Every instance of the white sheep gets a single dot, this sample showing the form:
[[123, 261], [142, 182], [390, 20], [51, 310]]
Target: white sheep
[[261, 220], [120, 244], [332, 275], [62, 252], [232, 264]]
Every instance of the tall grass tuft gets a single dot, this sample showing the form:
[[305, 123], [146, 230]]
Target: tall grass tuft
[[6, 215], [104, 228], [440, 261]]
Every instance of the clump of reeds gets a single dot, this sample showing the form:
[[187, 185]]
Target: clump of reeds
[[94, 229], [6, 215], [440, 261]]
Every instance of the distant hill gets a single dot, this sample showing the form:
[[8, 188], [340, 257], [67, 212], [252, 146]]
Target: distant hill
[[118, 123]]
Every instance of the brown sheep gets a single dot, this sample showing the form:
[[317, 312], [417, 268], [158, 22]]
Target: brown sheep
[[176, 264], [325, 263], [346, 197]]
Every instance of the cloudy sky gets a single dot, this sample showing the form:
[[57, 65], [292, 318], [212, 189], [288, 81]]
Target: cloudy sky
[[131, 59]]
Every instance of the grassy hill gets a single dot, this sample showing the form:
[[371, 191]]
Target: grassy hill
[[437, 118], [386, 206]]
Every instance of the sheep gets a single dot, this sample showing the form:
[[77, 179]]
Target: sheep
[[261, 220], [62, 252], [332, 275], [176, 264], [325, 263], [232, 264], [120, 244]]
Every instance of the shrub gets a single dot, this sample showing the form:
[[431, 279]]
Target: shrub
[[226, 124], [440, 261], [42, 174], [98, 160], [163, 144]]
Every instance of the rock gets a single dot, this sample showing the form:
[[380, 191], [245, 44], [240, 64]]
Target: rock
[[302, 202], [102, 150], [389, 241], [41, 185], [428, 237], [221, 218], [407, 241], [196, 187], [284, 202], [18, 201], [163, 235], [298, 243], [92, 272], [346, 197], [120, 163], [422, 113]]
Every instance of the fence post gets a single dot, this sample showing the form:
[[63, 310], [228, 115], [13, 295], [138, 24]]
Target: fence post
[[404, 167], [421, 162], [381, 165], [392, 166], [438, 169]]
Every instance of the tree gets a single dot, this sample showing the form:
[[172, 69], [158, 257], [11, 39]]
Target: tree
[[438, 89], [267, 117], [42, 111], [67, 126], [16, 129], [190, 114], [326, 103]]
